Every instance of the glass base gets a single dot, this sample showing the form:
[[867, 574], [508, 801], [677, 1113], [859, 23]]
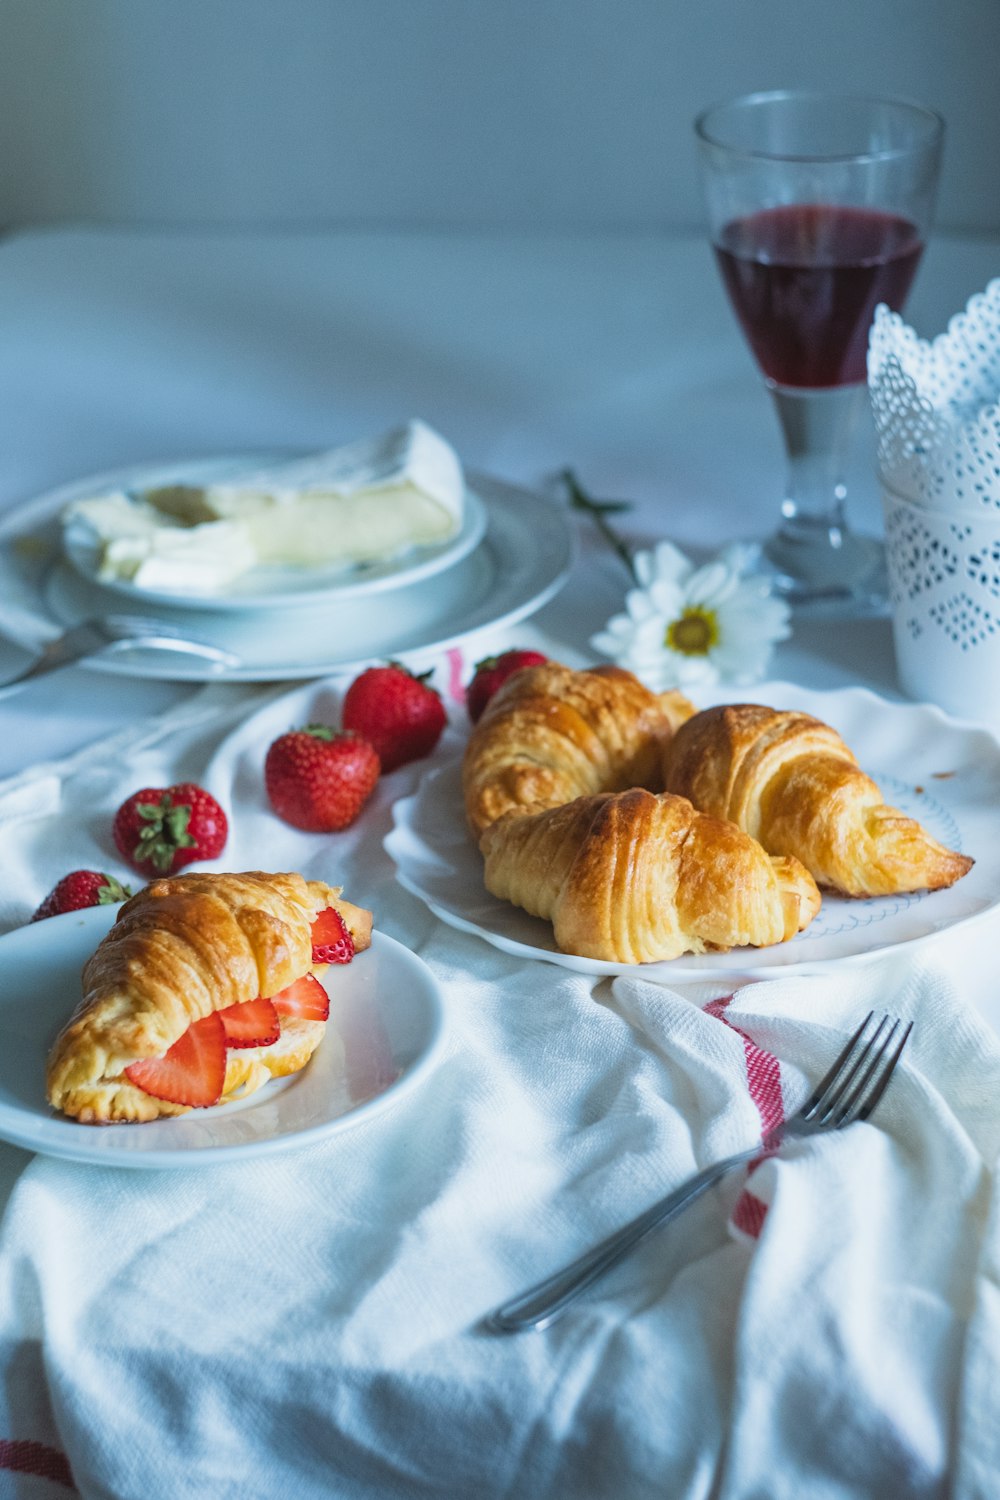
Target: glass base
[[824, 571]]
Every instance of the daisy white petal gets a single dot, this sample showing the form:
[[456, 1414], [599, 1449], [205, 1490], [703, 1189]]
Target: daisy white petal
[[664, 564], [711, 584], [685, 626], [739, 557]]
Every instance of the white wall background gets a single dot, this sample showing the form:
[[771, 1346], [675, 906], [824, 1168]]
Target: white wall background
[[544, 114]]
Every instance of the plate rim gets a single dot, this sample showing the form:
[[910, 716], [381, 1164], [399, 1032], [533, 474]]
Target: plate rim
[[741, 963], [74, 1147], [507, 506]]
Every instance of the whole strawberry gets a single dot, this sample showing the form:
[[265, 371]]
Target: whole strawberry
[[81, 888], [492, 672], [399, 712], [159, 829], [318, 779]]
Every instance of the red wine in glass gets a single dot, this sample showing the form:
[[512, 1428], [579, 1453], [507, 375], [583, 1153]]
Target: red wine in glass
[[805, 279]]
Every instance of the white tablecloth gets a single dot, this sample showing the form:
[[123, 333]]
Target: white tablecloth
[[826, 1325], [309, 1324]]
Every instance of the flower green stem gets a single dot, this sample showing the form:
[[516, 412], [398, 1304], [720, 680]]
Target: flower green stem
[[599, 510]]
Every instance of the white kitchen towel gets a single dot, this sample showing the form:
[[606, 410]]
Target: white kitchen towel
[[826, 1324], [309, 1324]]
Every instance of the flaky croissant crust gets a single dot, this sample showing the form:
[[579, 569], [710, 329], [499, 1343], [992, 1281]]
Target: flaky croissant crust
[[181, 948], [790, 781], [633, 877], [550, 734]]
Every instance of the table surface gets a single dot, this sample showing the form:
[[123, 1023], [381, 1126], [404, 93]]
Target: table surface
[[617, 356]]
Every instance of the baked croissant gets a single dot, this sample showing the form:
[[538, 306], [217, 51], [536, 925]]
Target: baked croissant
[[550, 734], [203, 986], [790, 781], [633, 877]]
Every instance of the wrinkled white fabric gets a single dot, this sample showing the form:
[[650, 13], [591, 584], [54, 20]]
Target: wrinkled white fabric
[[824, 1325]]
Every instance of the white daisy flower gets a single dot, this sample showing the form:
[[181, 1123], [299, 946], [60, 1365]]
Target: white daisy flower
[[685, 626]]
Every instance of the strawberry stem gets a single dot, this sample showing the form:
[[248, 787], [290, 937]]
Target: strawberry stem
[[112, 891], [166, 831]]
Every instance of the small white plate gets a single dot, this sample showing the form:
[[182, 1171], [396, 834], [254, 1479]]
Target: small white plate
[[521, 562], [385, 1034], [263, 588], [944, 773]]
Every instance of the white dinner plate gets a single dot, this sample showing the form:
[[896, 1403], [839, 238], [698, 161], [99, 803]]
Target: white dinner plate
[[270, 587], [385, 1034], [944, 773], [521, 562]]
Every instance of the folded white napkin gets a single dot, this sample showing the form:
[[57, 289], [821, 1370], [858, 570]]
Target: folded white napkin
[[826, 1325]]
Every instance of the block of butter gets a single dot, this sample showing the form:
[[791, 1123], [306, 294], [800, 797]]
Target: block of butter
[[368, 501]]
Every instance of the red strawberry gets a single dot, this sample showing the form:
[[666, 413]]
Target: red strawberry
[[318, 779], [491, 672], [400, 713], [159, 829], [192, 1071], [304, 998], [81, 888], [250, 1023], [332, 943]]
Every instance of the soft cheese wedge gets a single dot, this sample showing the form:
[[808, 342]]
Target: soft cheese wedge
[[366, 502]]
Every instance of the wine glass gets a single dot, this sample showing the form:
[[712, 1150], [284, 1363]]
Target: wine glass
[[819, 205]]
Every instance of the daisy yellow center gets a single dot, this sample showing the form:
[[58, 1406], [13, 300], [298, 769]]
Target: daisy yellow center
[[693, 633]]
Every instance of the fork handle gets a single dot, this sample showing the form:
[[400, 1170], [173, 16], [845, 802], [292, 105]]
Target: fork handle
[[540, 1304]]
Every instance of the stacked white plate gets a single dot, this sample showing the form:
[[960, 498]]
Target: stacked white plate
[[512, 555]]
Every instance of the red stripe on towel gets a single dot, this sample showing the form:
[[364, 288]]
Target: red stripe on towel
[[456, 667], [764, 1084], [24, 1456], [749, 1214]]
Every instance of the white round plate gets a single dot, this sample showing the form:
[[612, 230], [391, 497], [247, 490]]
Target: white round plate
[[386, 1032], [521, 562], [942, 772], [263, 587]]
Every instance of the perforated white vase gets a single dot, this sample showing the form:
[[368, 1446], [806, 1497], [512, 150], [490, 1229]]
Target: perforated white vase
[[944, 585], [937, 422]]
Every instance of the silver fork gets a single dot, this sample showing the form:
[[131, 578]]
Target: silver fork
[[849, 1092], [109, 634]]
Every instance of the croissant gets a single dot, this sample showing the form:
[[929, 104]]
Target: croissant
[[790, 781], [164, 1023], [550, 734], [633, 877]]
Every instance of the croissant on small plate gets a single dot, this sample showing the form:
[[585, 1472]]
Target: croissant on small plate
[[550, 734], [791, 782], [204, 986], [634, 877]]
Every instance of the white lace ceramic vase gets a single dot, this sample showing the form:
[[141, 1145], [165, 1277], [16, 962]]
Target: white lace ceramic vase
[[937, 422]]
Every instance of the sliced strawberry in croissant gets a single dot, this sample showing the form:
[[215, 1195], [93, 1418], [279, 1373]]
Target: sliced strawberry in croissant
[[251, 1023], [190, 1072], [305, 999], [331, 939], [186, 947]]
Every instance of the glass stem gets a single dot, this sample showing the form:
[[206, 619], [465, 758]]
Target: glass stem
[[813, 544]]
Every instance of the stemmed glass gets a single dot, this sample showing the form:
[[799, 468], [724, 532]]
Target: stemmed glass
[[819, 206]]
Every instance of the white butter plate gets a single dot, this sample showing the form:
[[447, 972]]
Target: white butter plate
[[520, 562], [262, 588], [944, 773], [385, 1034]]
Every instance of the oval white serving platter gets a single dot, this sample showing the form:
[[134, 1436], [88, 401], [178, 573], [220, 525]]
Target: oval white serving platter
[[945, 773]]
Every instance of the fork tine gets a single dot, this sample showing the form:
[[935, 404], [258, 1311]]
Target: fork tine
[[842, 1107], [868, 1104], [830, 1078]]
